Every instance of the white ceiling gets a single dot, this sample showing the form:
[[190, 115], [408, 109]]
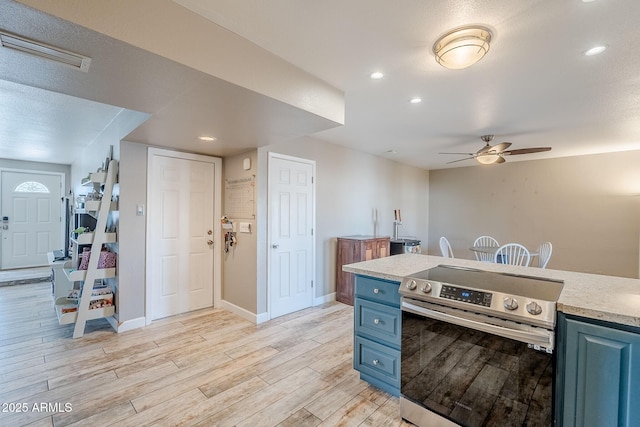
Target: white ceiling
[[50, 111], [534, 88]]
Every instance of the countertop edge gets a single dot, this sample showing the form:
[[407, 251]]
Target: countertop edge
[[582, 293]]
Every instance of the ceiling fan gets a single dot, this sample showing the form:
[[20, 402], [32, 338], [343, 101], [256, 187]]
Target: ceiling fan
[[490, 154]]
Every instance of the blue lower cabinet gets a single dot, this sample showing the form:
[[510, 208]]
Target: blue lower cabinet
[[598, 374], [378, 364], [377, 324]]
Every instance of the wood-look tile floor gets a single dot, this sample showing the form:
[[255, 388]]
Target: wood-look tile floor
[[206, 368]]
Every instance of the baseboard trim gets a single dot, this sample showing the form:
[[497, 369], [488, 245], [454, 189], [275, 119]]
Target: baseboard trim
[[244, 313], [127, 325], [325, 299], [262, 317]]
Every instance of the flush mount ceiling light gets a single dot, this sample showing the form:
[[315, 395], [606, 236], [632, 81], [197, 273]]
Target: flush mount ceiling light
[[12, 41], [376, 75], [462, 47]]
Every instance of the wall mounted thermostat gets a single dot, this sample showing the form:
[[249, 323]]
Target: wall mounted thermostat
[[246, 163]]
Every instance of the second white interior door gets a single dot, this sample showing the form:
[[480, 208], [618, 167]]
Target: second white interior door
[[291, 221]]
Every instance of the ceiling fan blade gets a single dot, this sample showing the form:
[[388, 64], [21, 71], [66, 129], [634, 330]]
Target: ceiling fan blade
[[483, 150], [501, 147], [526, 151], [500, 160], [459, 160]]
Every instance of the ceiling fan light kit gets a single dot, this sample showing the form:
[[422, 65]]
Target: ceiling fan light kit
[[489, 158], [462, 47]]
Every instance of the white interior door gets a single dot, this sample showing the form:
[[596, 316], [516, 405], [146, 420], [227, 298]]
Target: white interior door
[[180, 234], [291, 241], [32, 206]]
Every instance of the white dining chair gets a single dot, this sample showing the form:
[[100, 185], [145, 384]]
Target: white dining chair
[[512, 254], [445, 248], [485, 241], [544, 254]]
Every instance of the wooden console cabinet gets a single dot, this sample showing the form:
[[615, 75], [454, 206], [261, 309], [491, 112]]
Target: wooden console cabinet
[[355, 249]]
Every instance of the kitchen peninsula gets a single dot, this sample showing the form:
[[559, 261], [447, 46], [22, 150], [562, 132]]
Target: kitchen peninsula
[[597, 335]]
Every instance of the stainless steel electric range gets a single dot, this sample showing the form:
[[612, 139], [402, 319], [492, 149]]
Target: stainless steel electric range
[[477, 348]]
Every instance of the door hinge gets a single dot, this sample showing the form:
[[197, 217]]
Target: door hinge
[[312, 231], [312, 283], [312, 178]]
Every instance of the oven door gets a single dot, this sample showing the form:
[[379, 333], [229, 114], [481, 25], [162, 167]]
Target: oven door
[[461, 368]]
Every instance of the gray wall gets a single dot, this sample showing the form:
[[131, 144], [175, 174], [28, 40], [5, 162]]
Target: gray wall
[[39, 166], [587, 206], [349, 185], [240, 263], [132, 231]]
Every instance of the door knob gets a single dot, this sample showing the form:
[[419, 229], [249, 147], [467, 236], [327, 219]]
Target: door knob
[[275, 246], [210, 242], [210, 232]]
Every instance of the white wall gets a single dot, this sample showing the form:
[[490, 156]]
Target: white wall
[[349, 185], [587, 206]]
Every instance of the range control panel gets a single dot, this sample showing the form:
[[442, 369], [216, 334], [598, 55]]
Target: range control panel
[[466, 295]]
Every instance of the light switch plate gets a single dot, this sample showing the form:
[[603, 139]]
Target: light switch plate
[[140, 210], [245, 227]]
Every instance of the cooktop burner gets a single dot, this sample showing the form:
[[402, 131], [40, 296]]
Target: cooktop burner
[[522, 298]]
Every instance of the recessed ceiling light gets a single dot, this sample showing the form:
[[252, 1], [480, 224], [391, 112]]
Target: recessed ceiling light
[[595, 50], [415, 100], [392, 152], [587, 1], [377, 75], [206, 138]]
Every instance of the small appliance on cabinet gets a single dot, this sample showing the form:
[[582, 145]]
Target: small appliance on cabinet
[[405, 246]]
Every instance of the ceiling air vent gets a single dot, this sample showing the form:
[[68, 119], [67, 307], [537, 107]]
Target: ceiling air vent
[[13, 41]]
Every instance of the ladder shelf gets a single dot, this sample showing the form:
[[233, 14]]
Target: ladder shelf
[[89, 305]]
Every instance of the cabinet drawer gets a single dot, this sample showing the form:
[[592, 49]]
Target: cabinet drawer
[[379, 322], [377, 361], [378, 290]]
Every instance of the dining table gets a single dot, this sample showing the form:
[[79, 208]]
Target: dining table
[[491, 250]]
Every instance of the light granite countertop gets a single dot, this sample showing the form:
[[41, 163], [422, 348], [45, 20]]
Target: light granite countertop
[[608, 298]]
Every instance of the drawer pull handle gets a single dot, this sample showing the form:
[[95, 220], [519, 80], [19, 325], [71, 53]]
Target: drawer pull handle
[[375, 362], [376, 321], [376, 291]]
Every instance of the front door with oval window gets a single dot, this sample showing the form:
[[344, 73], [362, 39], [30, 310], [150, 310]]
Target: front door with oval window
[[32, 218]]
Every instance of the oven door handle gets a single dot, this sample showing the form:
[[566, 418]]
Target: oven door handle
[[542, 338]]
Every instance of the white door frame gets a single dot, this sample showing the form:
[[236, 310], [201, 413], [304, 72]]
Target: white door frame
[[63, 193], [272, 155], [217, 213]]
